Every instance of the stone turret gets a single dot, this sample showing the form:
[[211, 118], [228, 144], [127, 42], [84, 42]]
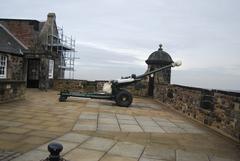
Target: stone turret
[[158, 59]]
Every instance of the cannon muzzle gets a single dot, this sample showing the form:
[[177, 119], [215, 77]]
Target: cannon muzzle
[[174, 64], [124, 81], [177, 63]]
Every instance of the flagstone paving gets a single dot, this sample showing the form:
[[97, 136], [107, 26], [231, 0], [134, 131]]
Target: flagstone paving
[[128, 123], [98, 130], [7, 155]]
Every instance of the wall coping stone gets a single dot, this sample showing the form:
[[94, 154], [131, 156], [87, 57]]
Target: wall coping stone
[[11, 81], [83, 80], [231, 93], [226, 92]]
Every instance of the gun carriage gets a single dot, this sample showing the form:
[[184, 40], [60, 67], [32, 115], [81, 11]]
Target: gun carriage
[[113, 90]]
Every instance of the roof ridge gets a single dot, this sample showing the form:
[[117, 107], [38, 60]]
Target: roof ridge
[[16, 19]]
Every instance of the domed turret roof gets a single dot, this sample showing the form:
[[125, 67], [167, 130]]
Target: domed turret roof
[[159, 57]]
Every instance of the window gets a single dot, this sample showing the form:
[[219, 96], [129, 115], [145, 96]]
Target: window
[[51, 69], [3, 66]]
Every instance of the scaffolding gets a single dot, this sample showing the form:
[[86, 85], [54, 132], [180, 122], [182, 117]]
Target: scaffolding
[[64, 47]]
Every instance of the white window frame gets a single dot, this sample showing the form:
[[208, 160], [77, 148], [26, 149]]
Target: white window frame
[[3, 60], [51, 68]]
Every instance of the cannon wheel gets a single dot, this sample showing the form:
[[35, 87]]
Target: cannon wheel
[[123, 98], [62, 98]]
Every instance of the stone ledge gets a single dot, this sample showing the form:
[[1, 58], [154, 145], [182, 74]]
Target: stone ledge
[[11, 81]]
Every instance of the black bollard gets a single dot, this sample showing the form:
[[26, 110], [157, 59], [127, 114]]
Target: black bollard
[[55, 150]]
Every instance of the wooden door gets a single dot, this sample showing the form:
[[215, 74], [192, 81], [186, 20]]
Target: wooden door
[[151, 83], [151, 86]]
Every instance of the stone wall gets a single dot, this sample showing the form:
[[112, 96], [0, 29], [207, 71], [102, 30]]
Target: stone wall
[[77, 85], [13, 87], [44, 82], [11, 90], [139, 89], [220, 110], [14, 67]]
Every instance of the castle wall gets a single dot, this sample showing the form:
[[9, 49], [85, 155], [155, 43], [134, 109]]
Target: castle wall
[[77, 85], [11, 90], [219, 110]]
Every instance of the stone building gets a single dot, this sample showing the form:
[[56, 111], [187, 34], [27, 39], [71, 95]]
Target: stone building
[[156, 60], [32, 54], [11, 66], [44, 58]]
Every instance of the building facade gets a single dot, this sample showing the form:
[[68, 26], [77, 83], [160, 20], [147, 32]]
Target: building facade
[[32, 54]]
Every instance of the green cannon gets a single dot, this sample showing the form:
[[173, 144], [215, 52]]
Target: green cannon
[[113, 90]]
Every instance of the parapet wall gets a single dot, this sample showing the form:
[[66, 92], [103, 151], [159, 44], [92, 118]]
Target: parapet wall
[[77, 85], [220, 110]]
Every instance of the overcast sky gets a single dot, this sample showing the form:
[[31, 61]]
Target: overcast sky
[[115, 37]]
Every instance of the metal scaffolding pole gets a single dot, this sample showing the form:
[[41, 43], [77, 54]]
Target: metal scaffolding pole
[[65, 48]]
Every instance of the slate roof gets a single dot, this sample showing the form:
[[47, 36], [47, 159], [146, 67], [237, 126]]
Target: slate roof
[[25, 30], [9, 43]]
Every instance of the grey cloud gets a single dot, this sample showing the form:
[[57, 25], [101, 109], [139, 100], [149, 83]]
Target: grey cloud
[[211, 79], [203, 34]]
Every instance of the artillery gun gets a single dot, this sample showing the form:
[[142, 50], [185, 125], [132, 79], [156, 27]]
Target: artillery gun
[[113, 90]]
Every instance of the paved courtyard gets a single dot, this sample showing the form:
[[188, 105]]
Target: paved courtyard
[[97, 130]]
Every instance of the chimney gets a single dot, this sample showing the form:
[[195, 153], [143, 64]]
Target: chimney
[[51, 17]]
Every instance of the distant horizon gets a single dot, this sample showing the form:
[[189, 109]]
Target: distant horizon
[[187, 85], [114, 38]]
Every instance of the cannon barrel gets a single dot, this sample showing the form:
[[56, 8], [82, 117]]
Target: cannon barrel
[[174, 64]]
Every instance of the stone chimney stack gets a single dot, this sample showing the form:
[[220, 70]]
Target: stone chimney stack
[[50, 23], [51, 17]]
